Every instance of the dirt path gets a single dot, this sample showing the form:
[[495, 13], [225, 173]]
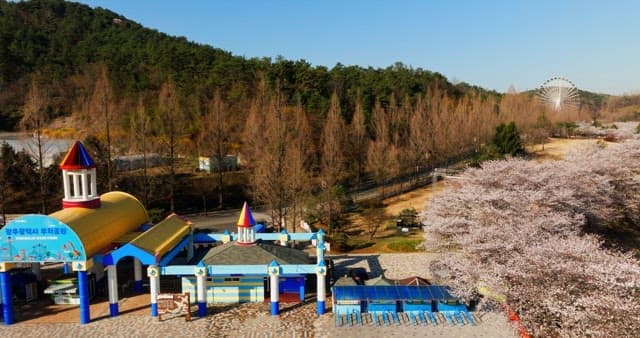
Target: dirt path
[[418, 199]]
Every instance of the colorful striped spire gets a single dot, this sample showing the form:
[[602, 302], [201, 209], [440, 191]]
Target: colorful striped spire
[[77, 158], [246, 218]]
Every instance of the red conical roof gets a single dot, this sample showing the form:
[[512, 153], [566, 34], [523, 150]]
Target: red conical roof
[[77, 158], [246, 218]]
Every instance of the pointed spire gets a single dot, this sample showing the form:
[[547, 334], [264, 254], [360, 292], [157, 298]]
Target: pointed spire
[[246, 218], [77, 158]]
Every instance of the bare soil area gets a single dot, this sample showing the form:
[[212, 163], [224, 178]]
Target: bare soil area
[[556, 148]]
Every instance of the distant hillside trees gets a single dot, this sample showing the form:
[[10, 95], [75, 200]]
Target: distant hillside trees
[[131, 90]]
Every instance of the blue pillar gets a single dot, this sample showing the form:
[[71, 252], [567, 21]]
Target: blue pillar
[[302, 289], [112, 284], [154, 288], [274, 284], [137, 275], [137, 286], [65, 268], [7, 297], [83, 289], [201, 292], [275, 308], [202, 309], [321, 272]]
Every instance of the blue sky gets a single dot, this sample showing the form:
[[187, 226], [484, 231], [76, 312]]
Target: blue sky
[[493, 44]]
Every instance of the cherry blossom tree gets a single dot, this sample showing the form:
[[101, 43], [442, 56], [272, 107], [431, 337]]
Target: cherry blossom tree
[[539, 233]]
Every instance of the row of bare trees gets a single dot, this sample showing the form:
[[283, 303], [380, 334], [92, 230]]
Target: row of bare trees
[[288, 154]]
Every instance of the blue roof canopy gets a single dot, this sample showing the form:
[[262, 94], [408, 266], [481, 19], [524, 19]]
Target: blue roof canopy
[[393, 292]]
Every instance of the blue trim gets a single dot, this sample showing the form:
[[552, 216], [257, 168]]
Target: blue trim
[[113, 309], [154, 309], [137, 286], [202, 309], [65, 268], [206, 238], [146, 227], [169, 256], [7, 302], [321, 307], [275, 308], [83, 289], [129, 249]]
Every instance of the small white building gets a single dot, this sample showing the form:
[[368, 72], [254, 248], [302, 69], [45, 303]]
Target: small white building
[[134, 162], [212, 163]]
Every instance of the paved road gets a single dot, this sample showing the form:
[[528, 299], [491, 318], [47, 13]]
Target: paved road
[[219, 221]]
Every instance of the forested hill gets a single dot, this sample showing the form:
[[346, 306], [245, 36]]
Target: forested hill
[[64, 41]]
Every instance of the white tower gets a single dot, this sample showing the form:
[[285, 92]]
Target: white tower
[[79, 179]]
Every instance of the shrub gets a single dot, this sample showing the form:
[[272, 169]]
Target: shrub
[[507, 139]]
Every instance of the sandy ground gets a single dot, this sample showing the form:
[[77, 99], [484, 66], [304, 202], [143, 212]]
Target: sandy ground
[[254, 320], [419, 199], [557, 148]]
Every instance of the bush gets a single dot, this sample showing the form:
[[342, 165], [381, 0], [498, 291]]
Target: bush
[[407, 218], [507, 139]]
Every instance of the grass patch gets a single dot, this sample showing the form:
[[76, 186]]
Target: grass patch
[[404, 245]]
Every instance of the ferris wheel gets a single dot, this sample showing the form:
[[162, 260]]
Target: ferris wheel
[[559, 93]]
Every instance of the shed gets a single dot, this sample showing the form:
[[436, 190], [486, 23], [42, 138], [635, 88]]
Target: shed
[[391, 298], [235, 288]]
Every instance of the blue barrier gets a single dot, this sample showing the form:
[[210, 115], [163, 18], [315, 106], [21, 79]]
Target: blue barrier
[[422, 318], [413, 319], [375, 318]]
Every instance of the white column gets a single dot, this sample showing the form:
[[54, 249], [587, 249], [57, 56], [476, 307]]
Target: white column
[[65, 183], [275, 294], [154, 288], [76, 185], [321, 292], [85, 185], [94, 184], [200, 289], [112, 284], [137, 275]]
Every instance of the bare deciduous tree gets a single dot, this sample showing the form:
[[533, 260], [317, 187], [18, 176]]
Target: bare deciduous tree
[[358, 141], [101, 108], [332, 163], [35, 119], [216, 137], [171, 124], [382, 153], [299, 159], [140, 131]]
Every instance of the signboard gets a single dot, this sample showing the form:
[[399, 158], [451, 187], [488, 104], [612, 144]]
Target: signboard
[[175, 304], [39, 238]]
